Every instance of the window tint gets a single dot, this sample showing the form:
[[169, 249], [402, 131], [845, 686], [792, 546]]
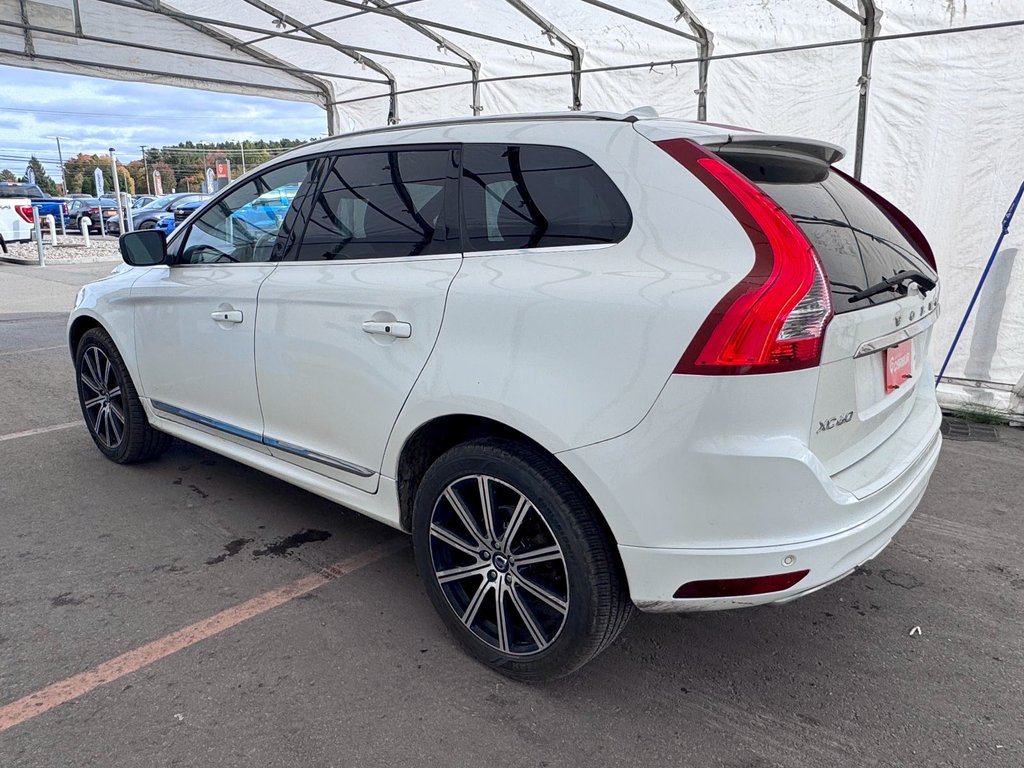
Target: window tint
[[857, 242], [382, 205], [883, 246], [819, 216], [535, 197], [21, 190], [243, 225]]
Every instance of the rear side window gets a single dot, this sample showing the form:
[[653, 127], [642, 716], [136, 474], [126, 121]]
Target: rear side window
[[857, 242], [382, 204], [528, 196], [21, 190]]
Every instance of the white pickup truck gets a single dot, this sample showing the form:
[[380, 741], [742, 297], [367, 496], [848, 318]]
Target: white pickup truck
[[15, 219]]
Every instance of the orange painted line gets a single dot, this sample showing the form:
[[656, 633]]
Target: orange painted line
[[73, 687]]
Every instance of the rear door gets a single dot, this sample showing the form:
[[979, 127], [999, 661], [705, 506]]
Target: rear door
[[349, 317], [875, 381]]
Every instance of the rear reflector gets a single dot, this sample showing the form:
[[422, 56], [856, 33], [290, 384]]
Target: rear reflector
[[26, 212], [755, 585], [774, 320]]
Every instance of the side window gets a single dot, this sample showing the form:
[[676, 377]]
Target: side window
[[536, 196], [380, 204], [243, 225]]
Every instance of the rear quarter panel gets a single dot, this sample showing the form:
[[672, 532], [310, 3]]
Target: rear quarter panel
[[572, 345]]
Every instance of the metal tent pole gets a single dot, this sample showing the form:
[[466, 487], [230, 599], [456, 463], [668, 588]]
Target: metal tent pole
[[705, 47], [871, 26], [553, 33]]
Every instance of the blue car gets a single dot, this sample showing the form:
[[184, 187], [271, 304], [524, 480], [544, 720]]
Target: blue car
[[166, 222], [263, 212]]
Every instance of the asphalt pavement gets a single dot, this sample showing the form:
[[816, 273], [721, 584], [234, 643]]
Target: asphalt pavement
[[917, 659]]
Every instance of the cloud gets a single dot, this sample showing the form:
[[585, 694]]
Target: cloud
[[91, 115]]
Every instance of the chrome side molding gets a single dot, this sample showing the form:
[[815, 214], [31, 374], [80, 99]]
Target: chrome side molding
[[270, 442]]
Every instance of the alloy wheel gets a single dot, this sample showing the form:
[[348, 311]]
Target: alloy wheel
[[102, 397], [499, 565]]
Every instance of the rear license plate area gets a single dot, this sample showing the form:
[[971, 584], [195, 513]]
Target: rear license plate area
[[898, 364]]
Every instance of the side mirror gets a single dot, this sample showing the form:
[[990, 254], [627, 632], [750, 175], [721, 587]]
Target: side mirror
[[145, 248]]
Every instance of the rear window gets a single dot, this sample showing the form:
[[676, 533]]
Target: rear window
[[21, 190], [857, 242], [528, 196]]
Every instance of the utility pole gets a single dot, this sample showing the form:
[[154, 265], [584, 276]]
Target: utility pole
[[242, 145], [145, 164], [63, 181]]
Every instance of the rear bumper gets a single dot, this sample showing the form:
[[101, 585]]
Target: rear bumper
[[655, 574], [715, 484]]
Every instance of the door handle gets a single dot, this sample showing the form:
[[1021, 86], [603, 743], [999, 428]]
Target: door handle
[[227, 316], [394, 328]]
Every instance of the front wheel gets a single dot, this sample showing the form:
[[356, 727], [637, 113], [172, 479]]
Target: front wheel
[[110, 405], [515, 560], [150, 224]]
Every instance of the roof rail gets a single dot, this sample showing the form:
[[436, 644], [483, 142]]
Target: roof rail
[[639, 113]]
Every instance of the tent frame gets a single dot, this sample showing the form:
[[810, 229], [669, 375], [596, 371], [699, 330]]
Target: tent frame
[[321, 86]]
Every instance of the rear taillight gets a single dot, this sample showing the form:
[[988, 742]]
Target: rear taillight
[[26, 212], [64, 208], [774, 320], [899, 219]]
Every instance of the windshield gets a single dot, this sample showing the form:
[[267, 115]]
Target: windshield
[[160, 202]]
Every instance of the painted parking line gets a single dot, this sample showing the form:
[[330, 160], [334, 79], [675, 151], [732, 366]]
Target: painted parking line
[[73, 687], [40, 430], [33, 349]]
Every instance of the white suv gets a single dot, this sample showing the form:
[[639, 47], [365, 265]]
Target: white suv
[[589, 361]]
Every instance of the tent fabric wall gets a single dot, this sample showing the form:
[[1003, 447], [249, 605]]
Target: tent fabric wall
[[944, 124]]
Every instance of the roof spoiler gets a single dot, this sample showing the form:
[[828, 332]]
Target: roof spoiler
[[759, 143]]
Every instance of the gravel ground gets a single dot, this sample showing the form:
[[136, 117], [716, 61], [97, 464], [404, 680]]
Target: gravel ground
[[70, 249]]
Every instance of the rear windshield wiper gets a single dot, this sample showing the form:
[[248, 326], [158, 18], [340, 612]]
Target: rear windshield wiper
[[896, 283]]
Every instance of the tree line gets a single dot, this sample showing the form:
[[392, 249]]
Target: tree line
[[182, 166]]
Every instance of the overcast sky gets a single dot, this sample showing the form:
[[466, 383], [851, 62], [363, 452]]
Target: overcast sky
[[95, 114]]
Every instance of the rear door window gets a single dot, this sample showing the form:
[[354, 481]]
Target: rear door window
[[383, 204], [530, 196]]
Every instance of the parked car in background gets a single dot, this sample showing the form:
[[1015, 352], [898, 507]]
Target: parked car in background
[[146, 216], [140, 201], [96, 209], [16, 219], [46, 205], [168, 221], [590, 362], [165, 223]]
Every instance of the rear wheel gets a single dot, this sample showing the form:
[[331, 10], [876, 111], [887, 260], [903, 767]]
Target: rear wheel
[[110, 405], [515, 560]]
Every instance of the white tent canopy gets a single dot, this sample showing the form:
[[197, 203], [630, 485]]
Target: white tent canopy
[[928, 97]]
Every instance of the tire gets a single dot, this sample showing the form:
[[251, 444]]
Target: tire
[[110, 403], [574, 592], [148, 224]]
